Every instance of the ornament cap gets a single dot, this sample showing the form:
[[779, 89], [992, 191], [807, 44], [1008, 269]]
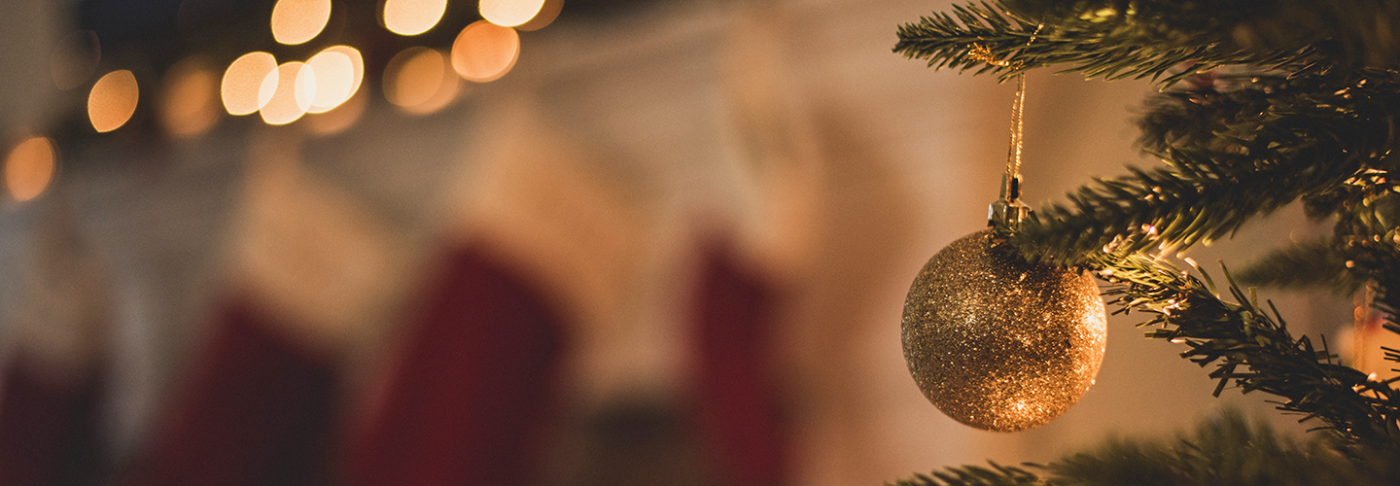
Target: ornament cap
[[1007, 212]]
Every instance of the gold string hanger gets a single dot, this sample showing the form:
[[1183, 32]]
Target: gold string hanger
[[1008, 211]]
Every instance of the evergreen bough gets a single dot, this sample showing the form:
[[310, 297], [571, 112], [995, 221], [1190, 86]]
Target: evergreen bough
[[1262, 103]]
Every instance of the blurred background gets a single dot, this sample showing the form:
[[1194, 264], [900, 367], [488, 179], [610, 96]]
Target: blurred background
[[593, 242]]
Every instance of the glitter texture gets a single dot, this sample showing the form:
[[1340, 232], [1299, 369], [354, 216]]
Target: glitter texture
[[1000, 344]]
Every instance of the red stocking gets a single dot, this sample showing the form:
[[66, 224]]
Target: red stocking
[[48, 428], [257, 411], [738, 395], [470, 389]]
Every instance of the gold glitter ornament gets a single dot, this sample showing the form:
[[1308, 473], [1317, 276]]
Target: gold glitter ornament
[[998, 343]]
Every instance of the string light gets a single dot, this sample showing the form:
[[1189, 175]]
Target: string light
[[335, 80], [75, 59], [29, 168], [357, 65], [189, 102], [243, 82], [356, 60], [297, 21], [509, 13], [484, 51], [418, 80], [546, 16], [412, 17], [289, 90], [112, 100]]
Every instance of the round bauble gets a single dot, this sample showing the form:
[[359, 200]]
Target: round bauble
[[998, 343]]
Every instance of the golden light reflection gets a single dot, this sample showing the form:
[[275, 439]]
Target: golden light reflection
[[339, 119], [419, 81], [413, 76], [509, 13], [412, 17], [485, 51], [189, 100], [548, 13], [74, 59], [29, 168], [335, 80], [290, 90], [297, 21], [112, 100], [243, 81], [447, 92], [356, 61]]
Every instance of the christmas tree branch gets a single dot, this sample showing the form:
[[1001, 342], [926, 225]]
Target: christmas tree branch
[[1365, 247], [1111, 41], [1236, 149], [1253, 349], [1223, 450], [1237, 146], [1303, 107], [1163, 208], [1115, 39], [1315, 264], [996, 475]]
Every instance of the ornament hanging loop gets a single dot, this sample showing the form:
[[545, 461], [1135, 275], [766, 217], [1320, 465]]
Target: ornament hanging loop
[[1007, 213]]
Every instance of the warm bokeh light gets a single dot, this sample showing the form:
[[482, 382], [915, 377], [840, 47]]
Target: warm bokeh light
[[448, 90], [419, 81], [413, 76], [290, 90], [485, 51], [509, 13], [356, 61], [189, 102], [243, 81], [335, 80], [29, 168], [548, 13], [297, 21], [74, 59], [412, 17], [339, 119], [112, 100]]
